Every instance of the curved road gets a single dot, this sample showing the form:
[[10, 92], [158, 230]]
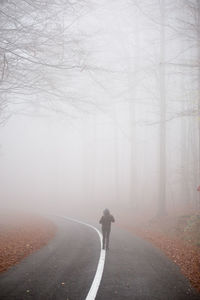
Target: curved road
[[65, 268]]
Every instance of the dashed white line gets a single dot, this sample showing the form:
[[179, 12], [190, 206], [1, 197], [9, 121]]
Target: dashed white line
[[99, 272]]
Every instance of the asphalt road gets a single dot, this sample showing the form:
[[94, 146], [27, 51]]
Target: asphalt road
[[64, 269], [135, 270]]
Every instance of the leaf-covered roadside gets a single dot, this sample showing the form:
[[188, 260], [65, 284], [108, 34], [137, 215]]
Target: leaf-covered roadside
[[179, 239], [20, 236]]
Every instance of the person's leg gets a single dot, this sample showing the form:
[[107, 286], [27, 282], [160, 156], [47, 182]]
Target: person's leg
[[107, 239], [104, 238]]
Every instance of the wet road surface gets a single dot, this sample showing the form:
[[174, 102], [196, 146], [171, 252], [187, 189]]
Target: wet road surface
[[64, 269], [136, 270]]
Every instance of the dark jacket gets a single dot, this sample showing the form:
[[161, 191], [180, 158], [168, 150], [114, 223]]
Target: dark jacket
[[105, 221]]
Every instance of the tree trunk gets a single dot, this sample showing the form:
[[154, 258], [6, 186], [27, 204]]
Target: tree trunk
[[162, 191]]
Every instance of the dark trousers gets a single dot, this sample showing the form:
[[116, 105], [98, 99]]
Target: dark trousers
[[106, 236]]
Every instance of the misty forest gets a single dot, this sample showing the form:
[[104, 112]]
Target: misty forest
[[100, 108]]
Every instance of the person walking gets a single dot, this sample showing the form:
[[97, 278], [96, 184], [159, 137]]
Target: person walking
[[105, 222]]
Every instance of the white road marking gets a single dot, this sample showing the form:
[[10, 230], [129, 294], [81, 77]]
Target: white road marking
[[99, 272]]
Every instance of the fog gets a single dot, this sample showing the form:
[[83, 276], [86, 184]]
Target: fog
[[100, 107]]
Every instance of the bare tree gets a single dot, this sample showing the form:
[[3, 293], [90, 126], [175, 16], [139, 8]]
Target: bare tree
[[37, 48], [188, 28]]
